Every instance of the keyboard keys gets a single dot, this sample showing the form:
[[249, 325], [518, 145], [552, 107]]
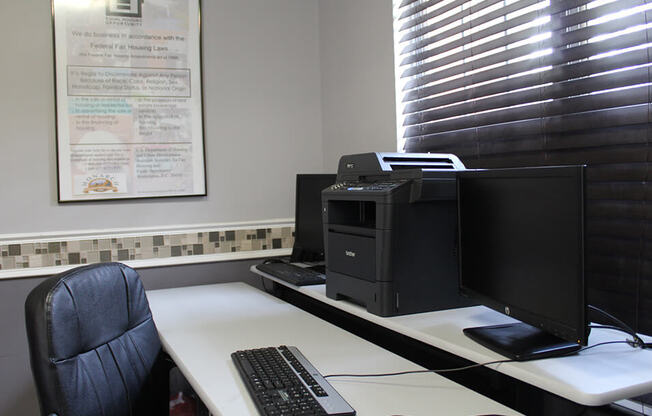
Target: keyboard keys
[[282, 382]]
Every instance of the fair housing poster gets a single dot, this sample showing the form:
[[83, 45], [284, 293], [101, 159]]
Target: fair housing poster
[[129, 109]]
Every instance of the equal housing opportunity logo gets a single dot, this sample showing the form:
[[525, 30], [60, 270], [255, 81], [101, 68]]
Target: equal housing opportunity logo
[[124, 8]]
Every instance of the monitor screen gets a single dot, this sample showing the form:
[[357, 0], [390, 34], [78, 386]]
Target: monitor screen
[[522, 245], [309, 229]]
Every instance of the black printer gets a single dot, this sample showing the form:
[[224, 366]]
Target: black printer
[[390, 232]]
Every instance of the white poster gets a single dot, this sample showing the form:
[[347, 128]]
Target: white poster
[[129, 107]]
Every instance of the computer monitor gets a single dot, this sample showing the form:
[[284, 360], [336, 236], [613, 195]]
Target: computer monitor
[[309, 229], [521, 241]]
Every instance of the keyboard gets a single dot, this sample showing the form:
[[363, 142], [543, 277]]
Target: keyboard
[[282, 382], [298, 276], [320, 268]]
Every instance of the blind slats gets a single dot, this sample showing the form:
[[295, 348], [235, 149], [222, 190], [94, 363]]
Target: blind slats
[[418, 8], [578, 140], [419, 20], [559, 23], [554, 8], [405, 3], [439, 21], [618, 191], [560, 73], [615, 99], [491, 74], [516, 97], [435, 36], [559, 41], [468, 53], [563, 20], [612, 117], [621, 171], [556, 57], [609, 209], [490, 31], [561, 37]]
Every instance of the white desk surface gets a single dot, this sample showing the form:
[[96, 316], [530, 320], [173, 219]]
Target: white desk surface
[[200, 326], [593, 377]]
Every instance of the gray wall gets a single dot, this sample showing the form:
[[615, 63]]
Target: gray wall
[[357, 78], [289, 86], [262, 116]]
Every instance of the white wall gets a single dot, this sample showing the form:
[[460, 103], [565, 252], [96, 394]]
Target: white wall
[[262, 109], [357, 66]]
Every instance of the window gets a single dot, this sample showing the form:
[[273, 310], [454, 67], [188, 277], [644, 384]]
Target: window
[[530, 83]]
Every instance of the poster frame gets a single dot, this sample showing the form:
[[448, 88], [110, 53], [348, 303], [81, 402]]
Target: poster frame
[[199, 166]]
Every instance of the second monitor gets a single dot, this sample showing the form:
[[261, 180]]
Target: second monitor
[[522, 254], [309, 231]]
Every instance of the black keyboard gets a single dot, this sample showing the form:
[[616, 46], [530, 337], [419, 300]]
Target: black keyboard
[[282, 382], [320, 268], [291, 273]]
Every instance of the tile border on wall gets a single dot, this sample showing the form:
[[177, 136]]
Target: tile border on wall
[[25, 255]]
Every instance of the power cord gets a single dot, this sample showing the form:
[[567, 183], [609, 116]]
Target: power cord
[[400, 373], [637, 342], [467, 367]]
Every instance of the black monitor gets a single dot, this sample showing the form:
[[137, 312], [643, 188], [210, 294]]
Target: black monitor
[[521, 240], [309, 229]]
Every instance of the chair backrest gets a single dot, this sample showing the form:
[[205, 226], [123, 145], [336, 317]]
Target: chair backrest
[[92, 342]]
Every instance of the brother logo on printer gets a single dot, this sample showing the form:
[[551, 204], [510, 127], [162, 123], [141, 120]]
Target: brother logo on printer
[[349, 253]]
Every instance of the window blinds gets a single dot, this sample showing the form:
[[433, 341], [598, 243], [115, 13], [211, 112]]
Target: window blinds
[[528, 83]]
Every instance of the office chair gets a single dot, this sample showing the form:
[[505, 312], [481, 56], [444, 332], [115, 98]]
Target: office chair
[[94, 348]]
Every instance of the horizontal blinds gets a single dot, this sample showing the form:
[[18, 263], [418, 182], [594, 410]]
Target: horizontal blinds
[[527, 82]]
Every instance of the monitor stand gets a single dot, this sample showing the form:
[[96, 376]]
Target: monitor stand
[[520, 341]]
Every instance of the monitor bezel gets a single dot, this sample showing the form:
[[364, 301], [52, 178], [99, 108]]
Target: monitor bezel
[[577, 332]]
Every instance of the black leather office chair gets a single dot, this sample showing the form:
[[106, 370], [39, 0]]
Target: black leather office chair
[[93, 345]]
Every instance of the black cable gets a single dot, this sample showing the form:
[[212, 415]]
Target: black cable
[[399, 373], [615, 328], [450, 370], [638, 342], [613, 318], [605, 343]]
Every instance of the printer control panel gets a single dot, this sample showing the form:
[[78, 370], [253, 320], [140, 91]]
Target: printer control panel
[[365, 186]]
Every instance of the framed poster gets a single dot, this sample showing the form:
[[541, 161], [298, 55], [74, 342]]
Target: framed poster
[[128, 99]]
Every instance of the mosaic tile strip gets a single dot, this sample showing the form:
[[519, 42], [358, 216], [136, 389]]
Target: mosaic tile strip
[[155, 246]]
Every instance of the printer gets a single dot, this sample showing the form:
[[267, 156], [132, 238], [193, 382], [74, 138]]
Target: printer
[[390, 232]]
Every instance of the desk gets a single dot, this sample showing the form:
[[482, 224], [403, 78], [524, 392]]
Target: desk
[[595, 377], [200, 326]]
